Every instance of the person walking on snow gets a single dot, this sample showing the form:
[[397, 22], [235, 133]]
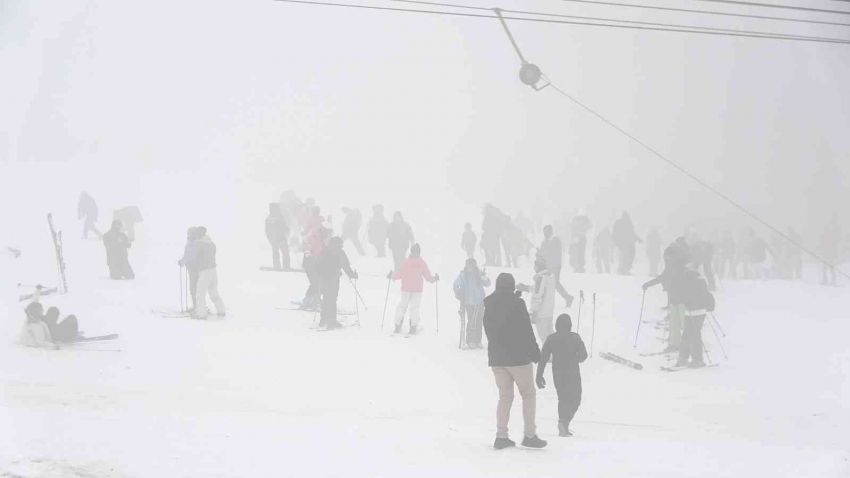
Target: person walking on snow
[[653, 250], [117, 256], [542, 310], [190, 262], [412, 272], [511, 350], [87, 208], [277, 232], [207, 277], [400, 237], [567, 351], [469, 289], [602, 251], [551, 251], [378, 226], [579, 227], [331, 264], [351, 228], [468, 241], [624, 238]]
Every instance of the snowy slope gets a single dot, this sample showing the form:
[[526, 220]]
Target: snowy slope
[[259, 394]]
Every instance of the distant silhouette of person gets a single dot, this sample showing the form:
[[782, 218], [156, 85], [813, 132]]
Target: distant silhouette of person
[[87, 208], [117, 256]]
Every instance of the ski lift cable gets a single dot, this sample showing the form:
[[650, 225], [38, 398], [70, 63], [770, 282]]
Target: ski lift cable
[[696, 179], [567, 22], [711, 12], [781, 7], [634, 22]]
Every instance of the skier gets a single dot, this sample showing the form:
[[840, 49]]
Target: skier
[[468, 241], [129, 217], [332, 261], [795, 255], [400, 237], [552, 254], [314, 243], [542, 310], [469, 290], [45, 330], [697, 301], [511, 349], [277, 232], [653, 250], [351, 228], [117, 244], [190, 262], [378, 226], [411, 272], [602, 251], [567, 351], [829, 251], [702, 255], [87, 207], [672, 279], [727, 256], [491, 236], [624, 238], [512, 240], [756, 256], [207, 277], [579, 227]]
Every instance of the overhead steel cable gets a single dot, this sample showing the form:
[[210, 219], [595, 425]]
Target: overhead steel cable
[[600, 19], [565, 22], [694, 178], [711, 12], [781, 7]]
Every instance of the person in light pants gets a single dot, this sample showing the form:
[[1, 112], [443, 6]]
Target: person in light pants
[[412, 272], [207, 277]]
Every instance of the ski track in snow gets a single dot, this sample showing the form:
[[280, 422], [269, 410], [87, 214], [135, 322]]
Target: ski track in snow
[[259, 394]]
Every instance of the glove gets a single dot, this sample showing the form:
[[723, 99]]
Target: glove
[[390, 275], [355, 276], [645, 287], [180, 262], [436, 277], [541, 382]]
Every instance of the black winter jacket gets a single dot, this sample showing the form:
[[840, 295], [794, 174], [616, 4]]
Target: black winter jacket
[[509, 333], [567, 350]]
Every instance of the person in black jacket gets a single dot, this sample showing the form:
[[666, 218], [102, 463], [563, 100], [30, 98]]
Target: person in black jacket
[[568, 351], [332, 262], [277, 232], [117, 258], [511, 350]]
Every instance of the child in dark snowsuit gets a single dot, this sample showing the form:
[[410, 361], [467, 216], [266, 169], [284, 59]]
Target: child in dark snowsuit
[[567, 350]]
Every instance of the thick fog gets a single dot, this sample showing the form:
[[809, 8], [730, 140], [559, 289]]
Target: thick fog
[[217, 101]]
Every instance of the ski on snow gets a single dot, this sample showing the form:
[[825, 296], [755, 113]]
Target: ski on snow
[[679, 369], [621, 360], [98, 338]]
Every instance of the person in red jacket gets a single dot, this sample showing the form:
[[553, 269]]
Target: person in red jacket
[[412, 272]]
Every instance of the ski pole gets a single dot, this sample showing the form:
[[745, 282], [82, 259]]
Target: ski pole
[[461, 313], [718, 340], [357, 294], [356, 304], [593, 330], [580, 302], [640, 318], [711, 314], [384, 315], [437, 304], [705, 351]]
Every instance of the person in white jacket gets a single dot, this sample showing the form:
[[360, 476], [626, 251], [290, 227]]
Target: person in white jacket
[[35, 332], [542, 308]]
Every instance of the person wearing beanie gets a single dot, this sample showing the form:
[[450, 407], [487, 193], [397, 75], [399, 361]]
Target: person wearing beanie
[[567, 351], [331, 264], [207, 277], [542, 308], [511, 350], [469, 290], [117, 257], [412, 272]]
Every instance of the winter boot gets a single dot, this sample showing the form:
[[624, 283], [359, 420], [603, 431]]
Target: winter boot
[[397, 329], [333, 325], [533, 442], [563, 430], [414, 329], [696, 364], [503, 443]]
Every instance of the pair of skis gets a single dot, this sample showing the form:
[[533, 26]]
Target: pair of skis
[[60, 258]]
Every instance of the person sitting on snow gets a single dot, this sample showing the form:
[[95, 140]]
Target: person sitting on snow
[[45, 330]]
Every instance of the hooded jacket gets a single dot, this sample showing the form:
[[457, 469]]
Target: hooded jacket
[[566, 349], [511, 341], [471, 285], [400, 235], [412, 273]]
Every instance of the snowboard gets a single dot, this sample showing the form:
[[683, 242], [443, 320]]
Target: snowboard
[[621, 360], [98, 338], [272, 269]]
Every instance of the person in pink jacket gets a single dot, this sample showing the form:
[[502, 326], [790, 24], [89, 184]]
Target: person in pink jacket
[[413, 272]]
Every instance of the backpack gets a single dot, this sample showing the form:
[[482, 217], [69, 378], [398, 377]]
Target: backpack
[[460, 289]]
